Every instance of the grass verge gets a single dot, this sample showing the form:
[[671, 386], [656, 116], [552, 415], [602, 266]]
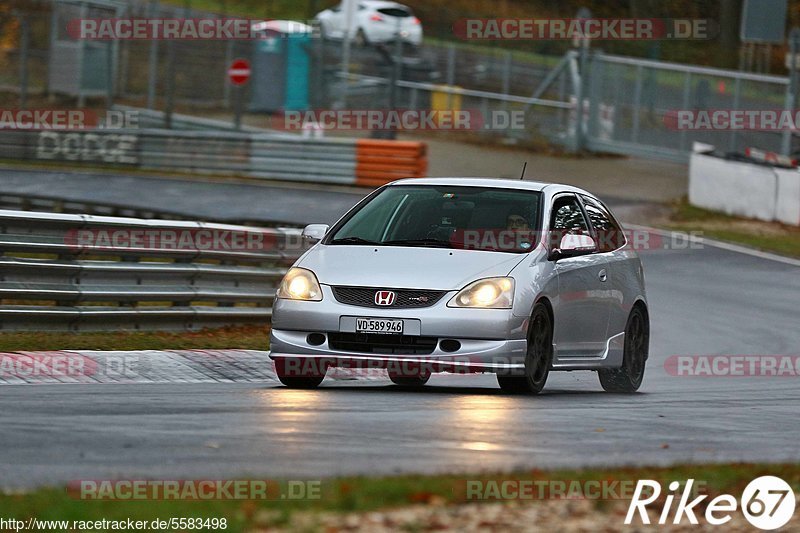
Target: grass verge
[[245, 338], [362, 494], [767, 236]]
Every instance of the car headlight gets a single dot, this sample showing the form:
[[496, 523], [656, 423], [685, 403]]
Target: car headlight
[[300, 284], [489, 293]]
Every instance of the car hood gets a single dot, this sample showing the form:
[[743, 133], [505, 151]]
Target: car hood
[[405, 267]]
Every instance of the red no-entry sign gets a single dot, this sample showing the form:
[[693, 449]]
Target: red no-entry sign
[[239, 71]]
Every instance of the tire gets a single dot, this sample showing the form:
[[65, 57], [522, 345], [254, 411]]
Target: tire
[[361, 38], [628, 378], [292, 374], [538, 358], [417, 380]]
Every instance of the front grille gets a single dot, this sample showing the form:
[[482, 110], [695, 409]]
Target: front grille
[[383, 344], [406, 298]]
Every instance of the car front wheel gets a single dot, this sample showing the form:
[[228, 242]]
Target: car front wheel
[[299, 373], [628, 378], [538, 357]]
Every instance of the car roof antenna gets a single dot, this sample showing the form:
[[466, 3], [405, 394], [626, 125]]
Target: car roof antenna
[[524, 166]]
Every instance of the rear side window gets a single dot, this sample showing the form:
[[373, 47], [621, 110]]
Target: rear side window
[[394, 12], [609, 234]]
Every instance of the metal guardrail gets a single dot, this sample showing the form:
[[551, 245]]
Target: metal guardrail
[[258, 155], [92, 273], [57, 204], [152, 118]]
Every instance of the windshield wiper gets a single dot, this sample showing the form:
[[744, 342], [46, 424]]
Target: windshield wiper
[[353, 240], [433, 243]]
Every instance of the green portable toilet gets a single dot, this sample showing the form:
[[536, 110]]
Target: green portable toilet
[[281, 66]]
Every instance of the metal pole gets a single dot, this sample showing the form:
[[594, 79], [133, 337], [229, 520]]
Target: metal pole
[[81, 54], [451, 72], [226, 88], [170, 85], [594, 88], [791, 88], [397, 64], [737, 89], [637, 100], [152, 67], [349, 10], [583, 53], [229, 55], [54, 25], [23, 61], [110, 49], [237, 117], [506, 78], [687, 90]]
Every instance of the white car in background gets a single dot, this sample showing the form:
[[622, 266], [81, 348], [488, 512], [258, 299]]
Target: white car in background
[[376, 21]]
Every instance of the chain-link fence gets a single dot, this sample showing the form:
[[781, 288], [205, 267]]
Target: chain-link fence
[[626, 104], [635, 106]]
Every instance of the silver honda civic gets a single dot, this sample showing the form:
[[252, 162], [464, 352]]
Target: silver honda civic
[[466, 275]]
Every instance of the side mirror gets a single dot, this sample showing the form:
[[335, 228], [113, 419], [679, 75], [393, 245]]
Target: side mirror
[[573, 245], [313, 233]]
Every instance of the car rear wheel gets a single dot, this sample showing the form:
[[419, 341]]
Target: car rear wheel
[[299, 373], [361, 38], [628, 378], [538, 358]]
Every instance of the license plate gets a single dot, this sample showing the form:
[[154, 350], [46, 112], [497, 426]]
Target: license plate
[[379, 325]]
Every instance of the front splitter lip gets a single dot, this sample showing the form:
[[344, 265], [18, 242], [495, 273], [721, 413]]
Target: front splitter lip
[[376, 361]]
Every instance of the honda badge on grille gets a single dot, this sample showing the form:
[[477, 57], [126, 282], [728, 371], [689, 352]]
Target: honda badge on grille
[[384, 298]]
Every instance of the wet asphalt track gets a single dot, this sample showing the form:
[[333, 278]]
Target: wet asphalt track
[[708, 301]]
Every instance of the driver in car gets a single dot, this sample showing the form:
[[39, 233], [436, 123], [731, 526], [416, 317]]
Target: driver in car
[[516, 222], [518, 233]]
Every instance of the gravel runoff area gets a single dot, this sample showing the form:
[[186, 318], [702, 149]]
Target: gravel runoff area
[[550, 515]]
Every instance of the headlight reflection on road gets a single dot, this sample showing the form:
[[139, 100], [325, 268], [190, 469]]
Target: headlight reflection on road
[[292, 406], [479, 420]]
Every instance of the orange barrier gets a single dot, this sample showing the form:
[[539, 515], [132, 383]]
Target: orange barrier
[[379, 161]]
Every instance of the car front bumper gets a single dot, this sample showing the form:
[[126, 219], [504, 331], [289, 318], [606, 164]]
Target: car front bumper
[[490, 340]]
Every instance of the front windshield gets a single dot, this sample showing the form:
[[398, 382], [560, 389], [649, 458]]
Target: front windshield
[[471, 218]]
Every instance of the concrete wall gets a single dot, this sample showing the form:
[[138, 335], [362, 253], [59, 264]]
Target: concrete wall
[[788, 204], [745, 189]]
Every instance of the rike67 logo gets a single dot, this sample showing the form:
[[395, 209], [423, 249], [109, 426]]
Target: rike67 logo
[[767, 503]]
